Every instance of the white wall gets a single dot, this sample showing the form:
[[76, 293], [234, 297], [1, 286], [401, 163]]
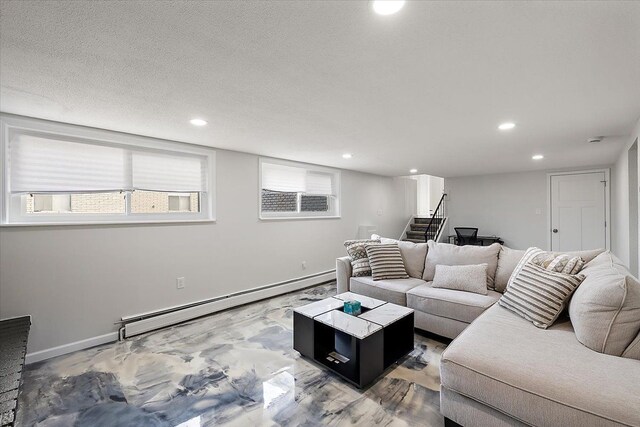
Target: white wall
[[512, 206], [76, 281], [620, 200]]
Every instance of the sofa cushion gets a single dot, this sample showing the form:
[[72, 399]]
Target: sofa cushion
[[633, 351], [385, 261], [446, 254], [390, 290], [539, 295], [413, 255], [358, 254], [507, 261], [456, 305], [540, 377], [467, 278], [605, 309]]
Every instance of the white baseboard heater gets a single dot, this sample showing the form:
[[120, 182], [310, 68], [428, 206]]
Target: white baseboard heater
[[145, 322]]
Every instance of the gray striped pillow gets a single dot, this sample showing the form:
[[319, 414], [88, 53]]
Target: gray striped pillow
[[539, 295], [386, 261]]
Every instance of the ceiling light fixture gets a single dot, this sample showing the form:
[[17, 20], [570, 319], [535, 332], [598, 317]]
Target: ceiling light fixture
[[537, 157], [507, 126], [198, 122], [413, 170], [387, 7], [347, 156]]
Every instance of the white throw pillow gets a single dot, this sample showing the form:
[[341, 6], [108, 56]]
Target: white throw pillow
[[468, 278]]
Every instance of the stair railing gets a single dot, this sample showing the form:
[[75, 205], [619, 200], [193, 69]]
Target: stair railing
[[437, 219]]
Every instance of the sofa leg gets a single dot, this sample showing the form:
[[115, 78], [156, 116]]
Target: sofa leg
[[450, 423]]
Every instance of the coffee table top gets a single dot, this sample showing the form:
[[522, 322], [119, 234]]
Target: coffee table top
[[379, 314]]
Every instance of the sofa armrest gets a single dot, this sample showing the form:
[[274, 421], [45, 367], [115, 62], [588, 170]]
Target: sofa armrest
[[343, 273]]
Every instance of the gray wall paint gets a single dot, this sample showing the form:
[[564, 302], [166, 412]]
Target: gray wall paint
[[620, 200], [513, 206], [502, 204], [77, 281]]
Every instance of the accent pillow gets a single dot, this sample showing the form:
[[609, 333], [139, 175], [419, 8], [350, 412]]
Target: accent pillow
[[469, 278], [413, 256], [507, 261], [386, 261], [447, 254], [605, 309], [539, 295], [562, 263], [359, 261]]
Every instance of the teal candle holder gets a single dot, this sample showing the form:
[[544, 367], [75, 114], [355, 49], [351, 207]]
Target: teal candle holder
[[353, 308]]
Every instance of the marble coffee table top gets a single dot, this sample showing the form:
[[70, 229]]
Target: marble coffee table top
[[379, 314], [352, 325]]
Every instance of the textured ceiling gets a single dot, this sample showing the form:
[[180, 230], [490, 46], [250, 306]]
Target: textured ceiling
[[308, 81]]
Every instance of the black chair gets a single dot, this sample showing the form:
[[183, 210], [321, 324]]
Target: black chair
[[467, 236]]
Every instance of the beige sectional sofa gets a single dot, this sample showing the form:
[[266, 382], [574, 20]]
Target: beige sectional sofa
[[501, 370]]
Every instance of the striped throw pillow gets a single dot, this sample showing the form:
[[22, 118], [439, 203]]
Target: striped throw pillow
[[386, 261], [539, 295], [358, 254]]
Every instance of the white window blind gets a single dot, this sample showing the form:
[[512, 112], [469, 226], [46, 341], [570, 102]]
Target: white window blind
[[319, 184], [283, 178], [47, 165], [163, 172]]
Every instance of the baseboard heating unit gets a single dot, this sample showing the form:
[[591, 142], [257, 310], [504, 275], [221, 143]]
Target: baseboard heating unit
[[145, 322]]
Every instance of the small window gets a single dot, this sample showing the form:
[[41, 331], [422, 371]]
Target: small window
[[290, 190], [57, 173]]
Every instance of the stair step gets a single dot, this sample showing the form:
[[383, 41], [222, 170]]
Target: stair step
[[415, 234], [421, 220]]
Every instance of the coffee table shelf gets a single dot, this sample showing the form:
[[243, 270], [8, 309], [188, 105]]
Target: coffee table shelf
[[358, 348]]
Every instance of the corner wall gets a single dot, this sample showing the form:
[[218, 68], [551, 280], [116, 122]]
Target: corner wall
[[620, 201], [77, 281]]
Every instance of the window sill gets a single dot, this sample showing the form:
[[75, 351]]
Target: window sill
[[128, 222], [286, 218]]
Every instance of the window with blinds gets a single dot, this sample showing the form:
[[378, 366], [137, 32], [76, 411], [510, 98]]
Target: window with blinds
[[59, 173], [290, 190]]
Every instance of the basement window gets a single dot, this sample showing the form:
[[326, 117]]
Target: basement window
[[292, 190], [54, 173]]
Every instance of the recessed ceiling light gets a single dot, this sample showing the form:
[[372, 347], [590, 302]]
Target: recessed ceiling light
[[198, 122], [507, 126], [413, 170], [347, 156], [387, 7], [537, 157]]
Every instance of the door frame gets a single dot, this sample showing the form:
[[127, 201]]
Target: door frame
[[607, 201]]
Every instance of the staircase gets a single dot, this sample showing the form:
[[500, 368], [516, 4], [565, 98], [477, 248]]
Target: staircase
[[422, 230]]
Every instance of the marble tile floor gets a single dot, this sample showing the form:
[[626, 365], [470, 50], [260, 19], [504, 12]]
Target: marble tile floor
[[235, 368]]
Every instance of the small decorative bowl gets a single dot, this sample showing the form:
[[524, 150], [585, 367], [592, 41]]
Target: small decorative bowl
[[352, 307]]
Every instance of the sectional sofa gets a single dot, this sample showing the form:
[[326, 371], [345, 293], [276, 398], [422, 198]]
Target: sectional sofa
[[501, 370]]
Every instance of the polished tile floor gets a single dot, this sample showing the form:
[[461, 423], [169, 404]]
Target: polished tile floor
[[235, 368]]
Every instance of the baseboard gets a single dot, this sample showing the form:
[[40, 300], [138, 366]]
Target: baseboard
[[221, 303], [170, 316], [48, 353]]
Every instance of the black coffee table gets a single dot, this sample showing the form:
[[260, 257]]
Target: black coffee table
[[358, 348]]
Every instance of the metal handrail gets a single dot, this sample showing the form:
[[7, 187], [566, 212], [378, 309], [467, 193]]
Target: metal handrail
[[437, 214]]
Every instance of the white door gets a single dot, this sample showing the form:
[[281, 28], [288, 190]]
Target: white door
[[578, 211]]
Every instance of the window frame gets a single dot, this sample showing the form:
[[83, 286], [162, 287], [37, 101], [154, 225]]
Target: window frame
[[334, 201], [10, 204]]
